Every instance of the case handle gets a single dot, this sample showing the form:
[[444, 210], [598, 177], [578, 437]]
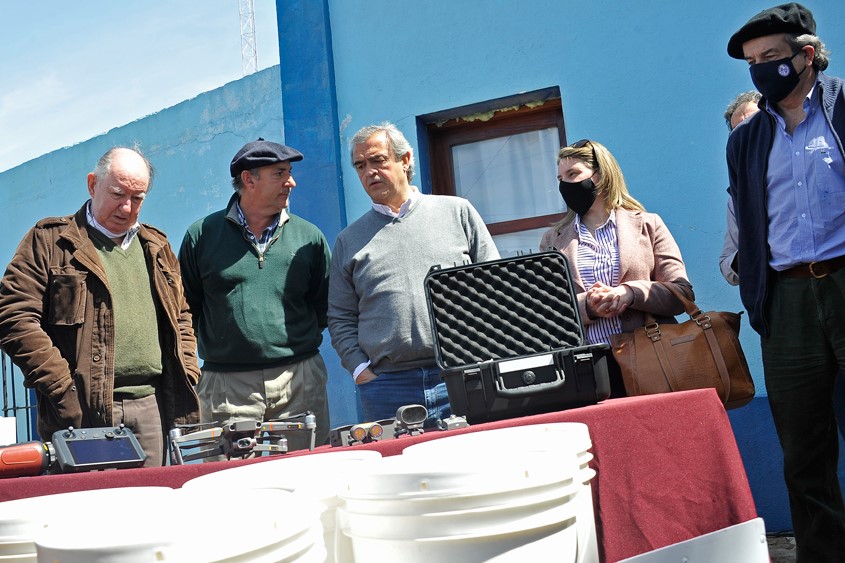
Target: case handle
[[529, 390]]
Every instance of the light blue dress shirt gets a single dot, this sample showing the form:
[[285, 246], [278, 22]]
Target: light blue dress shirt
[[806, 190]]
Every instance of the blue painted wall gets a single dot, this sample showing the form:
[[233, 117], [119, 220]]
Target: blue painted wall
[[311, 125], [650, 80]]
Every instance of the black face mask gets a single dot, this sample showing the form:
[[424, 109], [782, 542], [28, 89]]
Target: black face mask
[[776, 79], [579, 196]]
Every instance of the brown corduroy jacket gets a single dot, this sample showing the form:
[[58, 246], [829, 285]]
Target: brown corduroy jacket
[[56, 323]]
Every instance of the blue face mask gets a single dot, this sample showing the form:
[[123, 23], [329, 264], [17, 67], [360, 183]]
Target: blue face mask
[[776, 79]]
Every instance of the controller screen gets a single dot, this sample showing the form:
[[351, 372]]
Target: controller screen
[[101, 451]]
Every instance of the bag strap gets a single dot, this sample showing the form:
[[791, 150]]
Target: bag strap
[[689, 306], [705, 322], [718, 357], [663, 358]]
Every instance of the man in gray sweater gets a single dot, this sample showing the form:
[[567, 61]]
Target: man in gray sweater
[[378, 317]]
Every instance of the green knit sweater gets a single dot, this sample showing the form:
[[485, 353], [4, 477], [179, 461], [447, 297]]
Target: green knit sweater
[[137, 351], [250, 310]]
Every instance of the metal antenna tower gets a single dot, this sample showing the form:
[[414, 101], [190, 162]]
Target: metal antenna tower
[[249, 53]]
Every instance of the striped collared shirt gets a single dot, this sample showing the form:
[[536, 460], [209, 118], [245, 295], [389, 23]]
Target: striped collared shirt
[[598, 261]]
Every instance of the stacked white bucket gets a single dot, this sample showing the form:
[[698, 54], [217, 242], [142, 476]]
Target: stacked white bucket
[[317, 477], [509, 495], [25, 522], [155, 524], [514, 494]]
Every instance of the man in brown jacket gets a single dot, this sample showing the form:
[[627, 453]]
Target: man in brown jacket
[[92, 311]]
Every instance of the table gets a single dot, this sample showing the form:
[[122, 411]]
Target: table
[[668, 469]]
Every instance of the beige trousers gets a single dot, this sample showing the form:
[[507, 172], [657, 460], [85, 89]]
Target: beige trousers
[[272, 393]]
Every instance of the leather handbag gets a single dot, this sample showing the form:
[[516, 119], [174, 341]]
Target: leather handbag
[[696, 354]]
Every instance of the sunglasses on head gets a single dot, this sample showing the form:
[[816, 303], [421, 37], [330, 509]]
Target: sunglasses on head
[[583, 143]]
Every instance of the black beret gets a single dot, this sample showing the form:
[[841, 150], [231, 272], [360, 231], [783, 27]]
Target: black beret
[[256, 154], [786, 18]]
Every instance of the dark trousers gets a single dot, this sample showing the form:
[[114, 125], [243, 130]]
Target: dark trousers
[[802, 355], [614, 376]]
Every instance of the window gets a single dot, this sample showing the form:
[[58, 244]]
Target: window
[[501, 156]]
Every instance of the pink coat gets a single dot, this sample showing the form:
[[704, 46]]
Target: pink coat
[[647, 253]]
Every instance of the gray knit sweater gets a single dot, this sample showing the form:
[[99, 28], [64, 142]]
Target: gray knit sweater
[[377, 306]]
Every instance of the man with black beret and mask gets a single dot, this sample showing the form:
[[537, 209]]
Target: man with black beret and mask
[[256, 279], [786, 167]]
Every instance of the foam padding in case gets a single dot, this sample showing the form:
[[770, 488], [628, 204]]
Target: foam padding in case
[[503, 309]]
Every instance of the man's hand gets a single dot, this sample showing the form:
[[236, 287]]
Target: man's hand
[[365, 376]]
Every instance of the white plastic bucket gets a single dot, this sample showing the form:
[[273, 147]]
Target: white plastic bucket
[[18, 548], [506, 442], [285, 473], [517, 440], [23, 519], [33, 558], [250, 525], [318, 476], [423, 509], [517, 546], [450, 487], [126, 525], [148, 545], [184, 526], [492, 519]]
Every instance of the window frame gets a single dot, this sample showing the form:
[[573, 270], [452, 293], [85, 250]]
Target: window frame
[[527, 117]]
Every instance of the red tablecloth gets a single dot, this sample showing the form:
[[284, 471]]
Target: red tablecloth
[[667, 470]]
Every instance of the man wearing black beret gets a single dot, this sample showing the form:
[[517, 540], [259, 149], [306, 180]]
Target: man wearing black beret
[[256, 278], [786, 166]]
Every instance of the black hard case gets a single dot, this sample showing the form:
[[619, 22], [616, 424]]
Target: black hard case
[[509, 340]]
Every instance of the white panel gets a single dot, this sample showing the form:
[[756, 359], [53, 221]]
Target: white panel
[[742, 543]]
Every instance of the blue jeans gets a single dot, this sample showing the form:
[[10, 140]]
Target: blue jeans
[[381, 397]]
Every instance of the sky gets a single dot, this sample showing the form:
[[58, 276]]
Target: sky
[[72, 70]]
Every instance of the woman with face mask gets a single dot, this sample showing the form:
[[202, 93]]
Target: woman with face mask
[[616, 250]]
